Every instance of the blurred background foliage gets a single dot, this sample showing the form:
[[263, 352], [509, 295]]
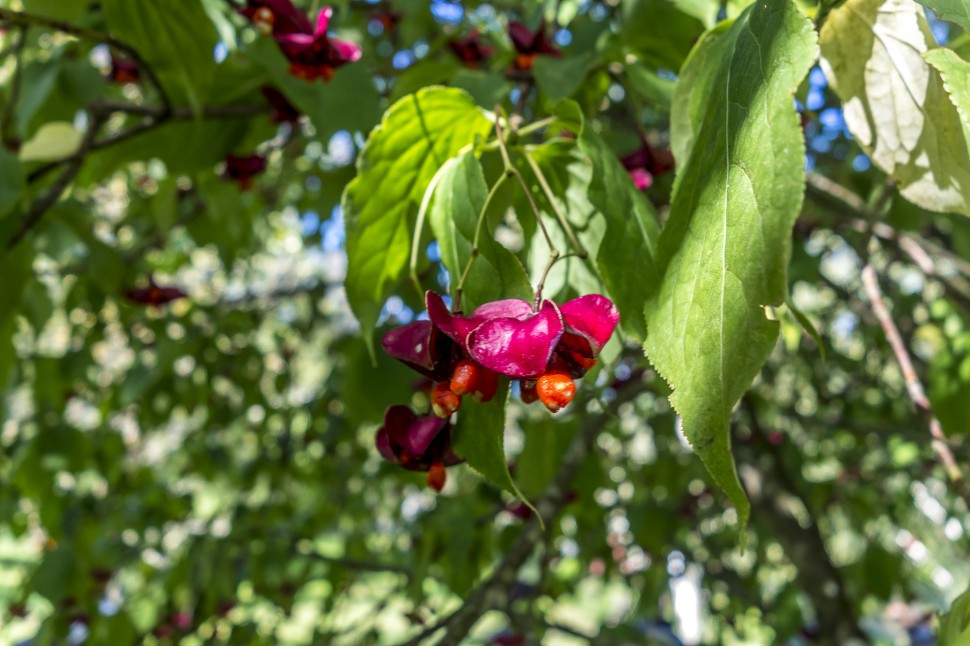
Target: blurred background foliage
[[203, 470]]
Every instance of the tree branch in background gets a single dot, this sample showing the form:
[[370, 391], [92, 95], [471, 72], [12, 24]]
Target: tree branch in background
[[41, 205], [914, 386], [804, 546], [25, 19], [493, 592]]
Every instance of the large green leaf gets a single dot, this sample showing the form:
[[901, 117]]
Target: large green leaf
[[895, 104], [956, 78], [458, 200], [957, 11], [725, 248], [627, 253], [417, 135], [175, 37], [479, 438]]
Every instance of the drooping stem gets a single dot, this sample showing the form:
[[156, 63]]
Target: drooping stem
[[419, 227], [456, 306], [563, 222], [914, 387], [509, 168]]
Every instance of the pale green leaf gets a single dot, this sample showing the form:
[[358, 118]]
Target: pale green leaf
[[956, 78], [12, 185], [895, 104], [417, 135], [725, 248], [955, 625], [53, 141], [957, 11], [479, 439], [458, 200], [175, 37]]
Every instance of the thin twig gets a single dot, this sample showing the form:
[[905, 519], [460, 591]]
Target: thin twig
[[914, 387], [515, 171], [563, 222], [419, 227], [478, 232], [156, 113], [493, 591], [22, 18]]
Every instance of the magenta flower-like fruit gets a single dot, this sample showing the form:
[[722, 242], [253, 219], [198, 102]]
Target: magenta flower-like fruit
[[417, 443], [312, 53], [546, 348], [422, 347], [154, 294], [277, 17], [589, 321], [470, 50], [242, 169], [529, 44], [645, 163]]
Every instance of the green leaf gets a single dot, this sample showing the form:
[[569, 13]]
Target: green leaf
[[957, 11], [628, 248], [69, 10], [666, 46], [955, 625], [458, 201], [479, 439], [175, 37], [12, 186], [53, 141], [559, 78], [895, 104], [956, 78], [417, 136], [646, 83], [725, 248]]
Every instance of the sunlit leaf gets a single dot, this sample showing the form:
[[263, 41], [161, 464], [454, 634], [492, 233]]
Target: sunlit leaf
[[479, 438], [56, 140], [725, 248], [956, 78], [417, 135], [957, 11], [896, 106]]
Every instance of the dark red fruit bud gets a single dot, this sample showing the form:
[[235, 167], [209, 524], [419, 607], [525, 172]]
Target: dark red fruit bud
[[443, 401], [486, 386], [555, 390], [528, 392], [263, 19], [437, 477]]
